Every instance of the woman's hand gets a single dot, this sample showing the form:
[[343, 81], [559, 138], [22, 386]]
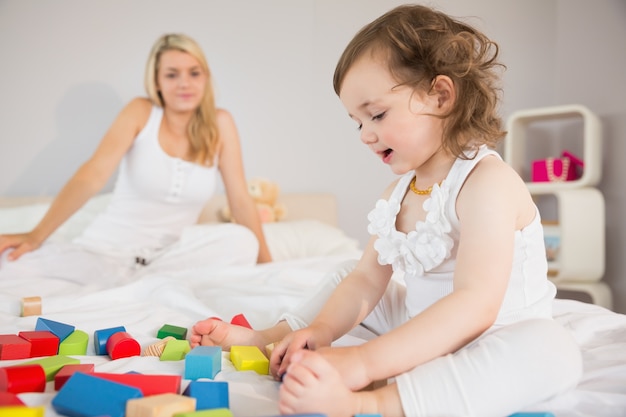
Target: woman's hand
[[20, 243], [312, 337]]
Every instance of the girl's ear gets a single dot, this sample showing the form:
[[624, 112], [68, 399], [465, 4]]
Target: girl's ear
[[443, 88]]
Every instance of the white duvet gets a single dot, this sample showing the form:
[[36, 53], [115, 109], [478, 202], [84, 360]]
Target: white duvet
[[308, 251]]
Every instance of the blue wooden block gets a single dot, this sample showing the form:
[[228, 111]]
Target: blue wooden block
[[208, 394], [203, 362], [60, 330], [85, 395], [101, 336], [533, 414], [367, 415]]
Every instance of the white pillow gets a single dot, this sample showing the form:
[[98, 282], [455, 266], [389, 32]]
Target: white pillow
[[295, 239]]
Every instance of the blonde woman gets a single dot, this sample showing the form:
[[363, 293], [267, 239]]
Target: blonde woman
[[170, 148]]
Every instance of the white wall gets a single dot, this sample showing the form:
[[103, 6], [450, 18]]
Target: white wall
[[68, 66]]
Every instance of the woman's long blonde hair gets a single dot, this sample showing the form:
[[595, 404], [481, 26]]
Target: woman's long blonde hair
[[202, 129]]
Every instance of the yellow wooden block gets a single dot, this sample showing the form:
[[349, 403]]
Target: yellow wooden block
[[160, 405], [21, 411], [249, 358]]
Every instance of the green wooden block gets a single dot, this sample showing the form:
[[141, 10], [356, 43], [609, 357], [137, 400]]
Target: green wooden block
[[175, 350], [75, 344], [53, 364], [249, 358], [216, 412], [179, 333]]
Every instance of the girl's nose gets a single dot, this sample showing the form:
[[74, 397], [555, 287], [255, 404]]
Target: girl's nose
[[367, 135]]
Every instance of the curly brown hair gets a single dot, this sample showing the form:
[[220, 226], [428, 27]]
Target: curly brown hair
[[420, 43]]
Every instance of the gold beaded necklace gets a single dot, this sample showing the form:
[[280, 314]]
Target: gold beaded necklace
[[421, 192]]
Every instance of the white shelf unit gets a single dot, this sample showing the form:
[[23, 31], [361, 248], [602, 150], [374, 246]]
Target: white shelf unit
[[516, 141], [580, 211]]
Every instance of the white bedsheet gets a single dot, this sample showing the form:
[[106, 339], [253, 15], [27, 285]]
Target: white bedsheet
[[262, 293]]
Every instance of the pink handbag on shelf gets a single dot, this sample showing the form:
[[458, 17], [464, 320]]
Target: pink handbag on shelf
[[566, 168]]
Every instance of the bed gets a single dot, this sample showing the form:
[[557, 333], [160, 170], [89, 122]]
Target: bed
[[306, 246]]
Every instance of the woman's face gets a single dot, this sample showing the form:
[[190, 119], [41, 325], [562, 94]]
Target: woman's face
[[181, 81]]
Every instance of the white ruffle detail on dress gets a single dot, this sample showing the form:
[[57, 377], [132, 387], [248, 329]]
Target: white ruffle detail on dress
[[421, 249]]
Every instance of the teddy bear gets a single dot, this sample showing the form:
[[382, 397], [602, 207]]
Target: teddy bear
[[265, 195]]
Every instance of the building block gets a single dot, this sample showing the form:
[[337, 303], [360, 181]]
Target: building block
[[31, 306], [101, 336], [175, 350], [52, 364], [203, 362], [14, 347], [9, 398], [177, 332], [42, 343], [208, 394], [67, 371], [160, 405], [75, 344], [240, 320], [22, 378], [61, 330], [249, 358], [269, 349], [22, 411], [87, 395], [216, 412], [147, 384], [156, 349], [122, 345]]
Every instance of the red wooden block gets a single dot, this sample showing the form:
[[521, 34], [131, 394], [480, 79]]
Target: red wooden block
[[23, 378], [67, 371], [122, 345], [148, 384], [240, 320], [14, 347], [43, 342], [8, 398]]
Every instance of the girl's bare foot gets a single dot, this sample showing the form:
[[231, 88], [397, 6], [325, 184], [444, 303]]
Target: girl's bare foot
[[313, 385], [214, 332]]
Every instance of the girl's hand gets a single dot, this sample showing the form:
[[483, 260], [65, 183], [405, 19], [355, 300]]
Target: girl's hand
[[312, 337], [20, 242]]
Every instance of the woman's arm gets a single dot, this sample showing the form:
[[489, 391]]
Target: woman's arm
[[90, 177], [240, 201]]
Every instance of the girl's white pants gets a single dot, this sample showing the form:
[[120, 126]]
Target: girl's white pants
[[502, 371]]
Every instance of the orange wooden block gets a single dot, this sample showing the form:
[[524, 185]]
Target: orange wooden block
[[31, 306], [43, 342], [22, 378], [122, 345], [160, 405]]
